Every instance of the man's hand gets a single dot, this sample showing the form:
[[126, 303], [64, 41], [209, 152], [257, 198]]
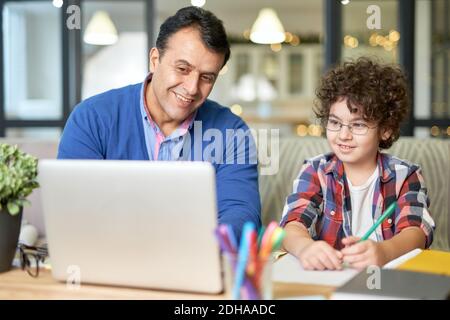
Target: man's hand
[[360, 255], [319, 255]]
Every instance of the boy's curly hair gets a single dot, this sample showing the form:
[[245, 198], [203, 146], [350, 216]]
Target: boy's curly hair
[[379, 91]]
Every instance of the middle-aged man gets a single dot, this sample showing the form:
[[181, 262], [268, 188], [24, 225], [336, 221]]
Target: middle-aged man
[[167, 117]]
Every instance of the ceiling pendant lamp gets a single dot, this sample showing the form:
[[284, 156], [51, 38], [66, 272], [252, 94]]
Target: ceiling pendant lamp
[[100, 30], [267, 28]]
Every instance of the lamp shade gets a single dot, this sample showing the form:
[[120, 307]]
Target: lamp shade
[[100, 30], [267, 28]]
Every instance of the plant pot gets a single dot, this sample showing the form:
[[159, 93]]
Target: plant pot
[[9, 236]]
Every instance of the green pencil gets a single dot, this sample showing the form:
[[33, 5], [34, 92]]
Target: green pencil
[[380, 220]]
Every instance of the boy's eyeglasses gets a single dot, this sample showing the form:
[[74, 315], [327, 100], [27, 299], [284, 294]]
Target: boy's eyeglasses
[[30, 258], [358, 128]]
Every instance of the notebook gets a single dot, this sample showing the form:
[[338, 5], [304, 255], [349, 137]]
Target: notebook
[[394, 264], [394, 284], [288, 269], [431, 261]]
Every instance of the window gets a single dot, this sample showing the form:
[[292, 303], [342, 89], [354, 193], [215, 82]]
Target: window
[[125, 62], [432, 84], [296, 70], [358, 40], [47, 68], [32, 71]]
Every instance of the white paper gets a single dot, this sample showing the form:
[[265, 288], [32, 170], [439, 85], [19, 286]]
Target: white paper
[[289, 269], [356, 296], [314, 297], [402, 259]]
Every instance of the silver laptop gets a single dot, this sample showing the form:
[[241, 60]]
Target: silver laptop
[[132, 223]]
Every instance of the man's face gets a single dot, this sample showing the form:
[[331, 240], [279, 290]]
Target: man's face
[[183, 76], [352, 148]]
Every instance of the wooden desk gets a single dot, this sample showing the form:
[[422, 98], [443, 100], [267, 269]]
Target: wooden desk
[[17, 284]]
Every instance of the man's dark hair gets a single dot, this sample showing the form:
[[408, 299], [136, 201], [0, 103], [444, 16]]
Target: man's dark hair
[[378, 90], [210, 27]]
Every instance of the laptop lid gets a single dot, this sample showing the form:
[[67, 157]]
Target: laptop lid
[[132, 223]]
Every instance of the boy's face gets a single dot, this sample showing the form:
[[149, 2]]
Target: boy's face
[[353, 148]]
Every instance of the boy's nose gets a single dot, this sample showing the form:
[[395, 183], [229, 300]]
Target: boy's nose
[[345, 133]]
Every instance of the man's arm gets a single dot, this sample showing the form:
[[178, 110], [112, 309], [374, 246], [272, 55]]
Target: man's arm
[[237, 180], [82, 135], [238, 196]]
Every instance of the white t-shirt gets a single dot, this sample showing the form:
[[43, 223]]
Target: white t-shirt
[[361, 199]]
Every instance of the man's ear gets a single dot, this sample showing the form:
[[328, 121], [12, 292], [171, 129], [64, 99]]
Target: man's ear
[[153, 59]]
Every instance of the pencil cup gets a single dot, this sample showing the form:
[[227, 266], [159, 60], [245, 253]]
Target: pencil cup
[[252, 282]]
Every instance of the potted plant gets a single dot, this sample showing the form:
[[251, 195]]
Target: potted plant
[[18, 172]]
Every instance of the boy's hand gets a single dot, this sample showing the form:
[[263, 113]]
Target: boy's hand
[[319, 255], [360, 255]]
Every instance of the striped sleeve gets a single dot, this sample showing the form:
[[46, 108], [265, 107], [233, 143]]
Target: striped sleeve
[[303, 205], [413, 202]]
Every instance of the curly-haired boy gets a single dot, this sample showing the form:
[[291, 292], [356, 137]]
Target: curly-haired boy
[[338, 196]]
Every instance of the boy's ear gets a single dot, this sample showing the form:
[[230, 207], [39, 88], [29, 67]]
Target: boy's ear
[[385, 134]]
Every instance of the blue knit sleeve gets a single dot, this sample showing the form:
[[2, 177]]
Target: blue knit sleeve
[[83, 135], [237, 181]]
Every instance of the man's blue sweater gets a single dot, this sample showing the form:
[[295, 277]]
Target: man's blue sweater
[[109, 126]]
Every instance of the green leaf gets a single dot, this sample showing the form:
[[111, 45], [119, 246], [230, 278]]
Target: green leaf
[[24, 203], [13, 208], [18, 172]]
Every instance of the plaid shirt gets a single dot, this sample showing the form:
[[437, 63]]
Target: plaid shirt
[[321, 199]]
